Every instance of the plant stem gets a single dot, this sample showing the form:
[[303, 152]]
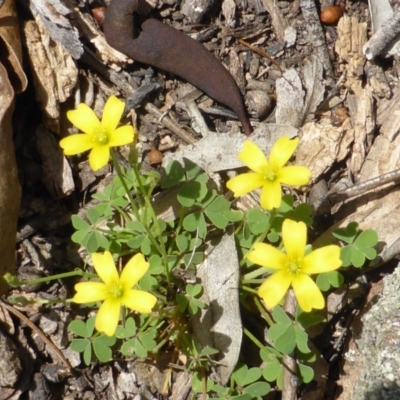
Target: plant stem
[[158, 245]]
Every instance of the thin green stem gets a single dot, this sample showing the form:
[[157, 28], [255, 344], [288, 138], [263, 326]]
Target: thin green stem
[[253, 339], [160, 247], [135, 210], [264, 314], [149, 207], [248, 289], [14, 281], [255, 273]]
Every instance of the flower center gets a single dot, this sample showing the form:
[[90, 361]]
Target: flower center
[[116, 290], [294, 266], [270, 174], [101, 137]]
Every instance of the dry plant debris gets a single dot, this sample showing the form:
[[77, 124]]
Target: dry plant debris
[[327, 85]]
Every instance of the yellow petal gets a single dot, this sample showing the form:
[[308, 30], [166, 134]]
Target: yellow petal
[[294, 235], [99, 156], [271, 195], [274, 288], [76, 144], [307, 293], [84, 119], [112, 113], [281, 152], [267, 256], [122, 135], [253, 157], [89, 292], [133, 271], [294, 175], [105, 267], [108, 316], [245, 183], [324, 259], [139, 301]]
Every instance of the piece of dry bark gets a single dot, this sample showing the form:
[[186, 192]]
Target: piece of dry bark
[[104, 51], [352, 36], [277, 19], [195, 10], [55, 17], [316, 34], [294, 104], [322, 145], [290, 99], [228, 10], [388, 115], [10, 191], [219, 325], [386, 29], [54, 71]]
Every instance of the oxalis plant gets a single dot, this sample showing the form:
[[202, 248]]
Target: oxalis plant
[[140, 288]]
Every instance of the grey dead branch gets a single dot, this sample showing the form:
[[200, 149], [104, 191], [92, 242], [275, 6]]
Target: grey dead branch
[[367, 141]]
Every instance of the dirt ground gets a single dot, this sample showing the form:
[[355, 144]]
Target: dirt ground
[[311, 78]]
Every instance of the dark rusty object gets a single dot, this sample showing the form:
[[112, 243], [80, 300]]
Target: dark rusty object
[[166, 48]]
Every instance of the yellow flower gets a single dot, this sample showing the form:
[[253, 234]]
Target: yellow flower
[[97, 136], [115, 290], [270, 173], [293, 267]]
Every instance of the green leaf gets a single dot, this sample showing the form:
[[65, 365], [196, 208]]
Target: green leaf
[[81, 328], [87, 354], [129, 330], [182, 302], [101, 347], [346, 255], [272, 371], [309, 319], [140, 350], [215, 212], [182, 242], [280, 316], [208, 351], [78, 223], [301, 340], [286, 342], [195, 258], [245, 376], [156, 265], [257, 219], [147, 339], [175, 175], [306, 373], [194, 172], [347, 234], [128, 348], [367, 238], [93, 216], [79, 345], [233, 215], [327, 279], [191, 192], [83, 346], [197, 385], [148, 282], [257, 389], [194, 290], [195, 222], [302, 212]]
